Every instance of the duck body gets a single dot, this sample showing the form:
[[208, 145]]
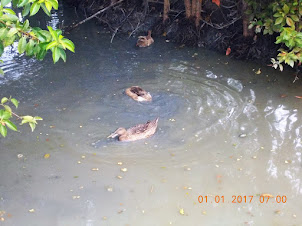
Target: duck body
[[138, 132], [138, 94], [144, 41]]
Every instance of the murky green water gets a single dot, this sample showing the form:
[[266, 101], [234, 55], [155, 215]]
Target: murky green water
[[205, 101]]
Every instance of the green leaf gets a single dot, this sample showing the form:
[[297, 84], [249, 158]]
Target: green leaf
[[8, 110], [46, 11], [1, 48], [46, 35], [285, 9], [56, 54], [25, 25], [34, 8], [22, 3], [279, 20], [48, 5], [9, 11], [51, 45], [30, 47], [295, 18], [12, 32], [26, 119], [3, 130], [3, 33], [68, 44], [15, 102], [53, 33], [22, 45], [1, 72], [4, 100], [32, 126], [5, 114], [26, 10], [5, 2], [10, 125], [10, 17], [54, 3], [62, 54], [38, 118]]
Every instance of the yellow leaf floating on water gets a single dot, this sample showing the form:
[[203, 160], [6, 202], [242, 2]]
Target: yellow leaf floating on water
[[181, 211], [46, 156], [258, 72]]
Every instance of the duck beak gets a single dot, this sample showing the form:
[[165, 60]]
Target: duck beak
[[113, 135]]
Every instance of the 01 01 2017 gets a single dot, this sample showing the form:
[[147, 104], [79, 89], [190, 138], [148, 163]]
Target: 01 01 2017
[[264, 198]]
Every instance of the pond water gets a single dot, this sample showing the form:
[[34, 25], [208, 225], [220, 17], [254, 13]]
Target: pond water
[[226, 136]]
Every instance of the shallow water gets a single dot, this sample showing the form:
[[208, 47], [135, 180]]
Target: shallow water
[[206, 102]]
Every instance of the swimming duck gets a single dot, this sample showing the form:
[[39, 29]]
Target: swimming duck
[[138, 132], [144, 41], [138, 94]]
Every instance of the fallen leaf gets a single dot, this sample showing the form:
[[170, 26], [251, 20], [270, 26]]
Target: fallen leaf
[[31, 210], [258, 72], [164, 34], [228, 51], [217, 2], [283, 95], [299, 97], [181, 211], [46, 156]]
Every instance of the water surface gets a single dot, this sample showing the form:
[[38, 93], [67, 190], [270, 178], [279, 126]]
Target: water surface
[[223, 131]]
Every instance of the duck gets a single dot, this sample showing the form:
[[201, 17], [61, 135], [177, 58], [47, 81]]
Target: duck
[[138, 94], [144, 41], [138, 132]]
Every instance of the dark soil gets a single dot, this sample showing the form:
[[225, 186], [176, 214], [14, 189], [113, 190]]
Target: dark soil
[[220, 27]]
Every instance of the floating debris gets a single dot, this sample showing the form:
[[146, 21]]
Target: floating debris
[[242, 135], [258, 72], [121, 211], [124, 169], [182, 211], [31, 210], [110, 189], [76, 197], [120, 163], [20, 156], [95, 169], [119, 177], [46, 156]]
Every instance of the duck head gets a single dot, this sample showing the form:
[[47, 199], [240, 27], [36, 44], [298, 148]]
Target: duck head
[[120, 131]]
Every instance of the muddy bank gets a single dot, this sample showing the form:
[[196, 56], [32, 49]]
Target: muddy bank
[[220, 27]]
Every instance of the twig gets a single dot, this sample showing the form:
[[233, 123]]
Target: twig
[[221, 27], [94, 15], [114, 33]]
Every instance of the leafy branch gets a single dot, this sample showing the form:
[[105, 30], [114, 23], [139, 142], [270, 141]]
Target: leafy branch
[[283, 17], [6, 114], [33, 42]]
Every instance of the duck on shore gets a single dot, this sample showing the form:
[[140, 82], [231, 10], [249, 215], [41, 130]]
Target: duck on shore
[[138, 132], [138, 94], [144, 41]]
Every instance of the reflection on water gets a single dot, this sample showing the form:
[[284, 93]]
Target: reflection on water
[[223, 131]]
